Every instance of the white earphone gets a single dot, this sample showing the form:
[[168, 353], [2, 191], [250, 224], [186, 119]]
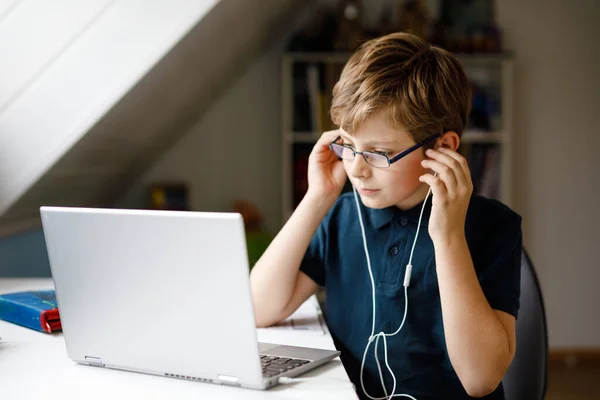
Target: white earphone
[[376, 337]]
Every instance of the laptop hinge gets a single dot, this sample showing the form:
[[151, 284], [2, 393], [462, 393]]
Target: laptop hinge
[[228, 380], [95, 361]]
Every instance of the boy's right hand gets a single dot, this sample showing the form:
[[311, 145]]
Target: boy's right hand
[[326, 174]]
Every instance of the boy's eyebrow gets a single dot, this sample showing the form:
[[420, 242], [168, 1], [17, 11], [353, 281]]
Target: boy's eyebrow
[[381, 142], [372, 143]]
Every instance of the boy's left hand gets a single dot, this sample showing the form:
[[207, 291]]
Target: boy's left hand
[[451, 190]]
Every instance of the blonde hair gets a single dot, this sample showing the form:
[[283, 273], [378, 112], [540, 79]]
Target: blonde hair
[[419, 87]]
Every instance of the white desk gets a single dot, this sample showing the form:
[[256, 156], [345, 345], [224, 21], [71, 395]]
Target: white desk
[[34, 365]]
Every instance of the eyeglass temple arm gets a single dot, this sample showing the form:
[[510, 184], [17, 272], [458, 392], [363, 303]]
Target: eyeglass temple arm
[[336, 139], [416, 146]]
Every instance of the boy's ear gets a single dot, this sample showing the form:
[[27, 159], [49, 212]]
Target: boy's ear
[[449, 140]]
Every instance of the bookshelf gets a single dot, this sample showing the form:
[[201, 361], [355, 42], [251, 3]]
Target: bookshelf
[[307, 82]]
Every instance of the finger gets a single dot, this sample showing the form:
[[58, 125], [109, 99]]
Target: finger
[[437, 187], [445, 173], [321, 151], [462, 161], [339, 172], [328, 137], [445, 158]]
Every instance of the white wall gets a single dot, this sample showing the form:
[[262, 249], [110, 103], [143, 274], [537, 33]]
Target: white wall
[[65, 64], [233, 152], [557, 181], [557, 184]]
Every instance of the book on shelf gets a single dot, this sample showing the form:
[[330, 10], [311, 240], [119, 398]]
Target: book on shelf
[[315, 97], [489, 186], [301, 110], [484, 161], [301, 152], [312, 94]]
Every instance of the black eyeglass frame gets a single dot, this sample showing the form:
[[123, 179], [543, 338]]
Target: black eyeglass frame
[[390, 161]]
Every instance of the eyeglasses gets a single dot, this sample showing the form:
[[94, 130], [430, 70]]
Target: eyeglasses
[[378, 160]]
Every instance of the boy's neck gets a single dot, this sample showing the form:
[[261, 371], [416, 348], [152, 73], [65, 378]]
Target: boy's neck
[[417, 197]]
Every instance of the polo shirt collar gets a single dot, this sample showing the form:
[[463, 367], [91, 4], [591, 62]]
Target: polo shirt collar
[[381, 217]]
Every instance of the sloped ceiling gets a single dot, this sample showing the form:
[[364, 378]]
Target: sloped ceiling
[[124, 132]]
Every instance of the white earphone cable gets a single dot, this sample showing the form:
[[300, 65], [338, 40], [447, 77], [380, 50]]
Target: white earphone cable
[[382, 334]]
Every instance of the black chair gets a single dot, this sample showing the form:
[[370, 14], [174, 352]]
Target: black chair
[[527, 376]]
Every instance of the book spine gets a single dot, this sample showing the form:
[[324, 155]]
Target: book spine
[[50, 320], [20, 315]]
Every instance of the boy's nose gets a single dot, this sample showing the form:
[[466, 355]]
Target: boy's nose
[[359, 167]]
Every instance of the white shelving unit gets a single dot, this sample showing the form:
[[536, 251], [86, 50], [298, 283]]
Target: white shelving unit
[[494, 72]]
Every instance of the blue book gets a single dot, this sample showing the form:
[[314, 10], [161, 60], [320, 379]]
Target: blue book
[[36, 309]]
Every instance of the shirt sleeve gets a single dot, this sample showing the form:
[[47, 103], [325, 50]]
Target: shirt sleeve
[[313, 263], [499, 269]]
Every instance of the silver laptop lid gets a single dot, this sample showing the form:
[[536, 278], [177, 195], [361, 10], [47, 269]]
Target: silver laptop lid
[[156, 291]]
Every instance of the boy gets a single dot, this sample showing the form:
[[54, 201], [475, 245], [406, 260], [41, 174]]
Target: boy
[[401, 106]]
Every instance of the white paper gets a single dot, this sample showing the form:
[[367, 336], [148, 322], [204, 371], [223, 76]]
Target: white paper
[[306, 321]]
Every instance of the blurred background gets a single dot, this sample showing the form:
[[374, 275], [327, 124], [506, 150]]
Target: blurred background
[[214, 106]]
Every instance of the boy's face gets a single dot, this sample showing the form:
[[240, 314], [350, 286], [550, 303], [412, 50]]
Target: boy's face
[[398, 185]]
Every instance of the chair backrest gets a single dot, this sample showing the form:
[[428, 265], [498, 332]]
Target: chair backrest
[[526, 378]]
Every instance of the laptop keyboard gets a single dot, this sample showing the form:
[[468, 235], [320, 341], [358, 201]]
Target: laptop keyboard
[[272, 365]]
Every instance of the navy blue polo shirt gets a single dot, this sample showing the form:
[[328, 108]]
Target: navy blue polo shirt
[[418, 356]]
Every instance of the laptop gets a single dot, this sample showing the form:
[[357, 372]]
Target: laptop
[[164, 293]]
